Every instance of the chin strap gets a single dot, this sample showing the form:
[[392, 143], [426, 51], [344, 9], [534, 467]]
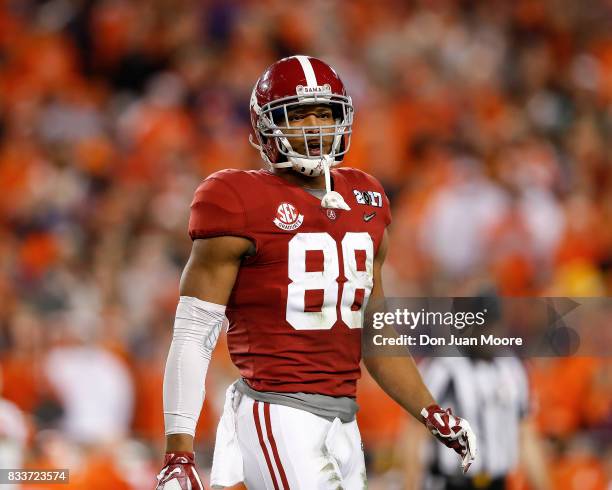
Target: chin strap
[[332, 199]]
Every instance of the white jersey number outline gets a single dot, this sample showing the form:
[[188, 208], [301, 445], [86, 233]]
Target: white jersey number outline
[[326, 280]]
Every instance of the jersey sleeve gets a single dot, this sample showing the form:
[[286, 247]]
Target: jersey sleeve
[[217, 210], [386, 207]]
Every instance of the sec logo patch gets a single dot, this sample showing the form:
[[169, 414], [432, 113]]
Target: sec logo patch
[[288, 218]]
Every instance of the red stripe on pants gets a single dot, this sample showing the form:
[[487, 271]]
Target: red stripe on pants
[[263, 444], [279, 465]]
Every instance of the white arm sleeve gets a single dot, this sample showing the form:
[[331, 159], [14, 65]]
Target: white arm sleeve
[[196, 329]]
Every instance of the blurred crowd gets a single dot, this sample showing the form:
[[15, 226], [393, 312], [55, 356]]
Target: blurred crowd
[[488, 123]]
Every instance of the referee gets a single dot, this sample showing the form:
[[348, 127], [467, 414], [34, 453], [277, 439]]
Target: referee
[[492, 393]]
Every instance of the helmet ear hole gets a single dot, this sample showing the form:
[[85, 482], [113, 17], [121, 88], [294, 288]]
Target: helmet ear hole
[[337, 112], [278, 116]]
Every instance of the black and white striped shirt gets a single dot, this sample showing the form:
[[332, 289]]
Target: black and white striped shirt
[[493, 396]]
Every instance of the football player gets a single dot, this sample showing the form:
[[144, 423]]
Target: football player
[[287, 258]]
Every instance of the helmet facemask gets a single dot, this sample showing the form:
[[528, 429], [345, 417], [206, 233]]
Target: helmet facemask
[[273, 124]]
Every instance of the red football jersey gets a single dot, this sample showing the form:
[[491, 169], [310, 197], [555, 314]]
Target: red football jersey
[[295, 313]]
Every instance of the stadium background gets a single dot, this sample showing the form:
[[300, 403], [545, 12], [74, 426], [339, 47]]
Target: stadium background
[[488, 122]]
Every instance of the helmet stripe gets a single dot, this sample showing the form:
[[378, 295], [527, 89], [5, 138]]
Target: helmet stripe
[[311, 78]]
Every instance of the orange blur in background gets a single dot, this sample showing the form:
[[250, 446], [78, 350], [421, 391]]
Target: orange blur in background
[[487, 122]]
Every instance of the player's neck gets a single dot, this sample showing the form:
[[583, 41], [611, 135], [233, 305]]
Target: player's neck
[[297, 178]]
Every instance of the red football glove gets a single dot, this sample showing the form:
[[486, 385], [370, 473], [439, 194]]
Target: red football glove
[[179, 473], [453, 432]]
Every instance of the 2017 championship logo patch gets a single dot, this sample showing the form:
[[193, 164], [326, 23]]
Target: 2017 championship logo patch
[[369, 198], [288, 217]]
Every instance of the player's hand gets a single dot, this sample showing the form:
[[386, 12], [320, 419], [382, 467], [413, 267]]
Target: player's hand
[[179, 473], [453, 432]]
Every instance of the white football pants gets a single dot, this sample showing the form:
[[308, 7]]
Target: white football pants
[[274, 447]]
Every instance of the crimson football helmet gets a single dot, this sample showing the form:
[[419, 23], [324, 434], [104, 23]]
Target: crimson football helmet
[[292, 82]]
